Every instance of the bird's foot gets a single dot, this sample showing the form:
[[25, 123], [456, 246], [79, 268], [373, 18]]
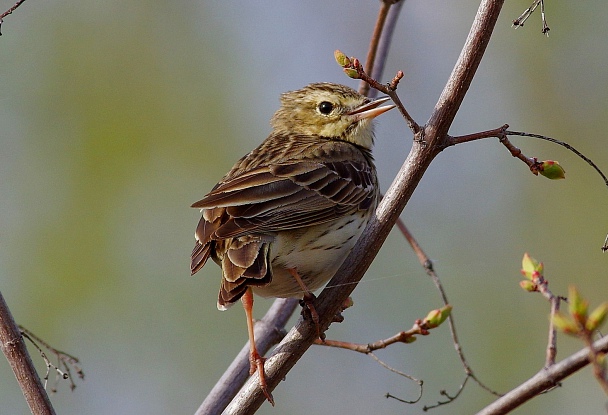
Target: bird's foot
[[309, 311], [256, 363]]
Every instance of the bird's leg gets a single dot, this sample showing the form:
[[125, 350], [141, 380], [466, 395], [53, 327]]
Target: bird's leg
[[256, 362], [308, 301]]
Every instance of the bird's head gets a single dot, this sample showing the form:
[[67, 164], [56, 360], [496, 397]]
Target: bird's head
[[330, 111]]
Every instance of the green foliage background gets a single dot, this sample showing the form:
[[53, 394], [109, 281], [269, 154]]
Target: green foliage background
[[116, 116]]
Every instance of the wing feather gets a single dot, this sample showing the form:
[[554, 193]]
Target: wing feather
[[247, 208], [290, 196]]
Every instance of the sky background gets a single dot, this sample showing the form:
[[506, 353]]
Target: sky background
[[116, 116]]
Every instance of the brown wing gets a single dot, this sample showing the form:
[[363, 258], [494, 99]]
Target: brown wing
[[287, 196], [240, 215]]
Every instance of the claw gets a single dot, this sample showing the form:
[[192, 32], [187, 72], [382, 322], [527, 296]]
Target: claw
[[256, 362]]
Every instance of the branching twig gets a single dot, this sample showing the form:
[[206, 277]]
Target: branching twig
[[420, 327], [354, 69], [9, 11], [535, 281], [545, 379], [384, 45], [375, 41], [565, 145], [449, 397], [497, 132], [535, 166], [427, 264], [519, 22], [543, 288], [501, 133], [418, 381], [65, 361]]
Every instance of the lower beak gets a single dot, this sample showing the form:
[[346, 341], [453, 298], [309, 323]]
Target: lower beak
[[371, 109]]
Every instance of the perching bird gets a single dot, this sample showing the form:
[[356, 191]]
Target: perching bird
[[285, 217]]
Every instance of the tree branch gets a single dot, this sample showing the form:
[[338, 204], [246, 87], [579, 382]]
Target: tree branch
[[234, 378], [301, 337], [268, 332], [16, 353], [545, 379], [9, 11]]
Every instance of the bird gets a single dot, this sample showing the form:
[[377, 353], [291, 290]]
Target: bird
[[284, 218]]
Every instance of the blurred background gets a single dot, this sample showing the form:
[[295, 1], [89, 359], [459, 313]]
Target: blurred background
[[116, 116]]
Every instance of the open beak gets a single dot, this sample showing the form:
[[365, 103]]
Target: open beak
[[371, 109]]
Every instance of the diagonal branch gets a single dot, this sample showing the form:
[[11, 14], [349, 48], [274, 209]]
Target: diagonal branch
[[301, 337], [268, 332], [14, 350], [232, 380], [545, 379]]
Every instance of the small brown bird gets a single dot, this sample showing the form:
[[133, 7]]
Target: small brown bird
[[285, 217]]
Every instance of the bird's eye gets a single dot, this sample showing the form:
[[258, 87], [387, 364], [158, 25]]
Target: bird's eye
[[325, 107]]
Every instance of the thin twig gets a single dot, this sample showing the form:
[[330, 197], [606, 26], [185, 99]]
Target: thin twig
[[533, 163], [519, 22], [496, 132], [552, 342], [405, 375], [390, 89], [375, 40], [541, 285], [420, 327], [449, 397], [545, 29], [427, 264], [9, 11], [65, 361], [368, 349], [565, 145], [385, 42], [501, 134]]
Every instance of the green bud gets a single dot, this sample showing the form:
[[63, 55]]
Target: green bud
[[341, 58], [410, 339], [528, 285], [597, 317], [552, 170], [531, 268], [436, 317], [577, 306], [352, 73], [565, 325]]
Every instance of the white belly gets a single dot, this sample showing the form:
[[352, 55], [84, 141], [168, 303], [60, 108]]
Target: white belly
[[316, 253]]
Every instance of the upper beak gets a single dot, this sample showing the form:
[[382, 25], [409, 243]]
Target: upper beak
[[371, 109]]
